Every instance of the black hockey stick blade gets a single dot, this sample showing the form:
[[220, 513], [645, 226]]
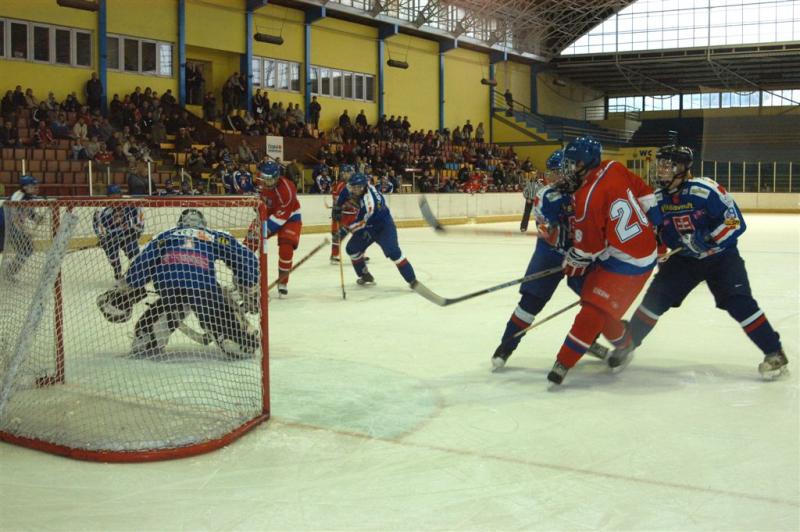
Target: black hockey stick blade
[[435, 298], [427, 214]]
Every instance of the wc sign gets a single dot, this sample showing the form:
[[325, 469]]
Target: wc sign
[[275, 147]]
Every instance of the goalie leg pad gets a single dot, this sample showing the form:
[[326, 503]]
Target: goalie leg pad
[[117, 304], [155, 326], [228, 325]]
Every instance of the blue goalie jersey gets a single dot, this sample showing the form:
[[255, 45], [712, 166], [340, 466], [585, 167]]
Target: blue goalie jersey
[[183, 258], [701, 207]]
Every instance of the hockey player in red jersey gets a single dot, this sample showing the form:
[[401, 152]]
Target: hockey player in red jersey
[[614, 248], [345, 171], [283, 208]]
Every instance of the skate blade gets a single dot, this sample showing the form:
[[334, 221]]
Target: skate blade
[[498, 363], [775, 374]]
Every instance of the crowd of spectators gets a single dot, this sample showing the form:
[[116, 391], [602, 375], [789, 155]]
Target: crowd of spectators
[[432, 161]]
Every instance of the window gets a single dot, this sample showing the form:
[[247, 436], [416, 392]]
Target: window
[[314, 80], [83, 49], [148, 57], [269, 73], [112, 49], [359, 93], [661, 102], [41, 43], [337, 83], [295, 82], [348, 85], [325, 81], [19, 40], [708, 100], [63, 47], [370, 92], [283, 76], [2, 38], [255, 66], [625, 104], [777, 98], [164, 59], [131, 59]]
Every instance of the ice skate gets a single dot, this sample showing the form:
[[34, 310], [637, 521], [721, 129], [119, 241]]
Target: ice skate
[[557, 374], [620, 357], [283, 291], [500, 357], [366, 279], [335, 259], [774, 365]]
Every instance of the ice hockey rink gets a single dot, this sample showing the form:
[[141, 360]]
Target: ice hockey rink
[[386, 416]]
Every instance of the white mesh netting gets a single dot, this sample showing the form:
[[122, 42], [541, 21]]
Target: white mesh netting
[[185, 369]]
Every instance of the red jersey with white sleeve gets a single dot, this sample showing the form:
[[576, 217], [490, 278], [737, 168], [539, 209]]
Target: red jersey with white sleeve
[[611, 224], [282, 204]]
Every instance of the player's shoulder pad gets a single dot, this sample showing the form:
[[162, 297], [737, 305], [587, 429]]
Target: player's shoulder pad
[[222, 237], [549, 194], [704, 187]]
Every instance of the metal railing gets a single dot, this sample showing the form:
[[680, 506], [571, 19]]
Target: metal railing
[[747, 176]]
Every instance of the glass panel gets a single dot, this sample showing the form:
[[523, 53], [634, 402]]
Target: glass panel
[[370, 88], [348, 85], [359, 95], [325, 81], [283, 76], [19, 40], [131, 55], [337, 83], [295, 86], [148, 57], [165, 59], [256, 68], [269, 73], [83, 49], [2, 38], [63, 47], [112, 49], [41, 43], [314, 80]]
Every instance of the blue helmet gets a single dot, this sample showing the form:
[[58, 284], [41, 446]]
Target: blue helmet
[[113, 190], [346, 170], [28, 181], [585, 150], [269, 172], [357, 183], [556, 160]]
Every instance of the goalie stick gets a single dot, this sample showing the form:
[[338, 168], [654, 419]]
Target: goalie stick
[[301, 261], [431, 296], [436, 225]]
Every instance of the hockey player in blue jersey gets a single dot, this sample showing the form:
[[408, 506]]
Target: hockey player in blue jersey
[[243, 181], [180, 263], [21, 224], [700, 217], [364, 213], [552, 210], [118, 228]]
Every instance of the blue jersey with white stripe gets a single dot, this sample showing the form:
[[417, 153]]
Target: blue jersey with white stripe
[[183, 258], [373, 212], [117, 222], [553, 209], [700, 206]]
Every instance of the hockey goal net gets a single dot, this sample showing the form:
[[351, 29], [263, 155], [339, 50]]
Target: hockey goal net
[[76, 384]]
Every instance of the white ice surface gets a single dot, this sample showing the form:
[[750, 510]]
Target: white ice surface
[[386, 416]]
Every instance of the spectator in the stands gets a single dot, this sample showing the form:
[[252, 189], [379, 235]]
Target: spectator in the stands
[[499, 175], [9, 136], [78, 150], [466, 131], [80, 130], [92, 146], [60, 127], [361, 119], [458, 140], [183, 141], [344, 120], [479, 133], [527, 165], [7, 107], [246, 155], [94, 92], [158, 132], [30, 100], [298, 114], [196, 87], [44, 136], [258, 103], [293, 172], [138, 180], [19, 98], [71, 104], [51, 103], [136, 98], [234, 122], [236, 90], [103, 157], [195, 164], [39, 114], [314, 111], [509, 102]]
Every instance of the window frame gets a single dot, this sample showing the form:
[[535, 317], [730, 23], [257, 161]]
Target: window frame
[[349, 84], [140, 42], [31, 27]]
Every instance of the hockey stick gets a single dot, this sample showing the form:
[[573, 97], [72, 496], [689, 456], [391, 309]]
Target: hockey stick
[[301, 261], [431, 296], [436, 225], [341, 263]]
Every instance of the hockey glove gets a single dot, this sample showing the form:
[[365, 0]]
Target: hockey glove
[[575, 263], [116, 304], [342, 233], [697, 242]]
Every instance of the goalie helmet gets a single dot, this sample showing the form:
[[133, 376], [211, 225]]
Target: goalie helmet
[[192, 218], [673, 162]]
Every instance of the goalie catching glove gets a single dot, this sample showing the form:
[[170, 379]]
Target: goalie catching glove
[[116, 304], [251, 299]]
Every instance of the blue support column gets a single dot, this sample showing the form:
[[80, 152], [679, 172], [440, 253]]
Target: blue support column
[[247, 58], [444, 47], [182, 52], [491, 104], [381, 52], [307, 68], [102, 52]]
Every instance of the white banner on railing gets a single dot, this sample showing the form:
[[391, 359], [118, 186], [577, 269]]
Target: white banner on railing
[[275, 147]]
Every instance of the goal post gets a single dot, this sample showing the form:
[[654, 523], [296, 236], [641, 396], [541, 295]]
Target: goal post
[[187, 372]]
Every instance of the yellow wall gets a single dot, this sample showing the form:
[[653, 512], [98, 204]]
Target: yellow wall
[[151, 19], [60, 80], [279, 20], [47, 11], [219, 26], [415, 91], [567, 101], [123, 83], [223, 64], [517, 77], [345, 45], [465, 97]]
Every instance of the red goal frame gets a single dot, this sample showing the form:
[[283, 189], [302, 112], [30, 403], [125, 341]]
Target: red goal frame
[[149, 455]]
